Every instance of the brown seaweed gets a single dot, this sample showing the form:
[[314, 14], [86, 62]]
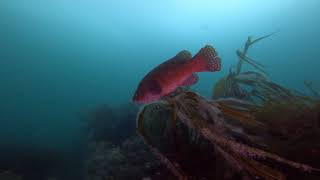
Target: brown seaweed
[[204, 117], [247, 45]]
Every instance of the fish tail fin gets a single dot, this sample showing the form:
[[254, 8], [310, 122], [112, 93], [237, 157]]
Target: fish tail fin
[[207, 60]]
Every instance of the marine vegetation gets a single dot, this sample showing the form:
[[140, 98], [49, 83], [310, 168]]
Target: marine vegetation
[[173, 128], [236, 82], [253, 127], [290, 118]]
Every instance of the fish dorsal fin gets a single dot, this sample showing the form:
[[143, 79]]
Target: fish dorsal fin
[[182, 57], [191, 80]]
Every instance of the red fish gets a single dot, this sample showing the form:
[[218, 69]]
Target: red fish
[[177, 71]]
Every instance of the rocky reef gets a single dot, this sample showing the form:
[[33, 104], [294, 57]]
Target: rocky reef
[[115, 151]]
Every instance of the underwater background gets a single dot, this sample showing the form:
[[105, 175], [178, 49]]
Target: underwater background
[[58, 59]]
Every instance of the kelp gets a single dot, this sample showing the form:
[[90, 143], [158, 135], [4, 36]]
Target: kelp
[[254, 124], [189, 119], [292, 128], [250, 61], [254, 85], [232, 84], [219, 88], [290, 119], [243, 54]]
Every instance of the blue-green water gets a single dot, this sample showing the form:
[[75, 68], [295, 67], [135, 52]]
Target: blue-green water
[[60, 58]]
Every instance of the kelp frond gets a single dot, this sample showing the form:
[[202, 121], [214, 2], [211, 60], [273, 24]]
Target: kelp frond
[[239, 113], [258, 169], [141, 124], [229, 86], [219, 88], [250, 61], [247, 45], [250, 42], [204, 117]]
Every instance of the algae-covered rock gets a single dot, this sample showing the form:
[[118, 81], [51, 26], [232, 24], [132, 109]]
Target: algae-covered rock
[[130, 160]]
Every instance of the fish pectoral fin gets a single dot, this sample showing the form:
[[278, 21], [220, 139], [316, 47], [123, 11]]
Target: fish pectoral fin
[[154, 87], [191, 80]]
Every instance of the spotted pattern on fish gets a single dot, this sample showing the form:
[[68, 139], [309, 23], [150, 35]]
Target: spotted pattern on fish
[[177, 71]]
